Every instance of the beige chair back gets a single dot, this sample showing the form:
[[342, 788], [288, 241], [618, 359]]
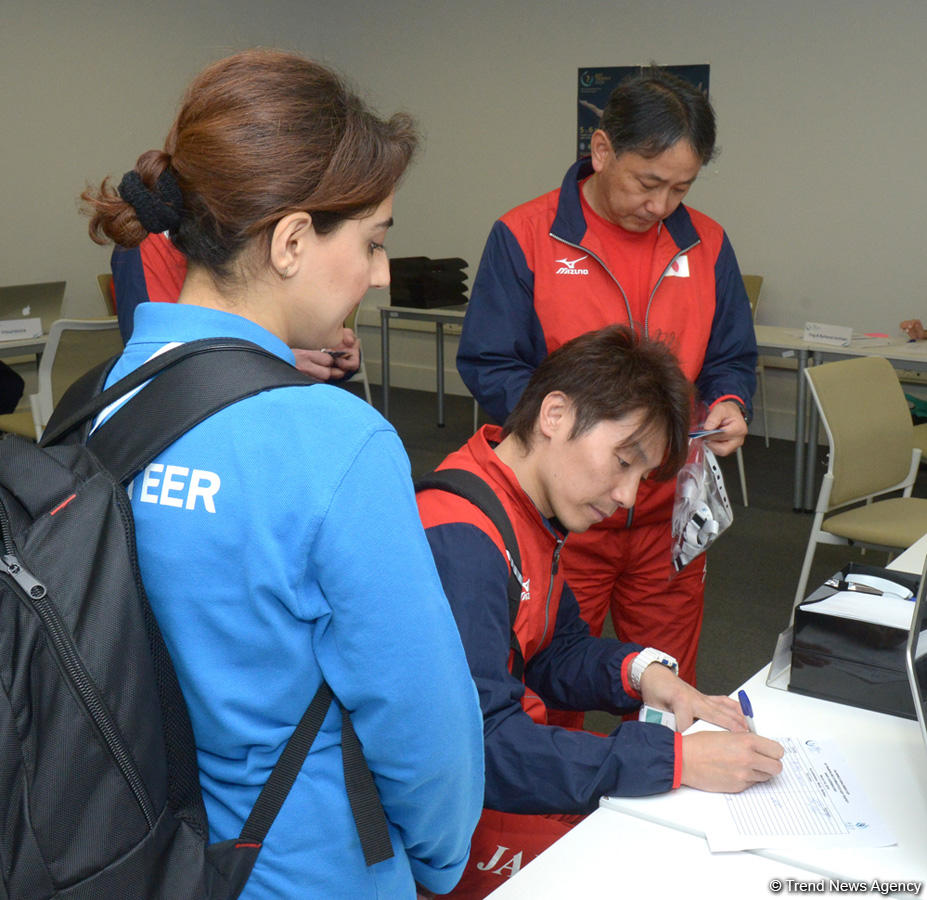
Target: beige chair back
[[868, 425], [18, 422], [753, 284], [105, 283], [74, 347]]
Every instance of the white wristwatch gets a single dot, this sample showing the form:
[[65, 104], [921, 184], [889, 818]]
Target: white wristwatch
[[643, 659]]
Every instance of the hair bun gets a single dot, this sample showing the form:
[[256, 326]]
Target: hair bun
[[157, 210]]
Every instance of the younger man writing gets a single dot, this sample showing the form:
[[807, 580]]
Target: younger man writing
[[601, 413]]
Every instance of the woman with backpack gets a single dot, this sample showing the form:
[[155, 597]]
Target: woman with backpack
[[278, 540]]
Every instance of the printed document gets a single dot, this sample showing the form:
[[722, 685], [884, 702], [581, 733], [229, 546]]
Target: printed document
[[815, 801]]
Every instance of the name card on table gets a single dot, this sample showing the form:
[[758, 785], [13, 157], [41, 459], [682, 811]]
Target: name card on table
[[20, 329], [835, 335]]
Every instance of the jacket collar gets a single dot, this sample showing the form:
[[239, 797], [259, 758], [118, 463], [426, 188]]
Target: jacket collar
[[570, 225], [481, 446]]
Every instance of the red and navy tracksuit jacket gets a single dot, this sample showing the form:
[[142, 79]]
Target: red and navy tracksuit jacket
[[154, 270], [542, 281], [533, 767]]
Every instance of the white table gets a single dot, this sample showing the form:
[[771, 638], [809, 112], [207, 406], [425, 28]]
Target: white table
[[612, 856], [886, 753], [632, 842], [23, 347], [629, 844]]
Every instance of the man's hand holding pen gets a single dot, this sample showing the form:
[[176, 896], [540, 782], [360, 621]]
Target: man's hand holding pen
[[727, 761]]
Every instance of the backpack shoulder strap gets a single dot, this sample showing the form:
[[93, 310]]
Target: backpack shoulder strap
[[369, 817], [193, 381], [476, 491], [86, 397]]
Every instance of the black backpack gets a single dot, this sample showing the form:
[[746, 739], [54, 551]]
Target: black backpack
[[99, 788], [474, 489]]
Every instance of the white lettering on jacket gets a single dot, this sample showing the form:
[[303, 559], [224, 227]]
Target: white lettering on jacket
[[177, 486], [569, 266], [513, 865]]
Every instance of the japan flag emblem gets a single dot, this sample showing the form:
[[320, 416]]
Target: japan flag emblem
[[678, 268]]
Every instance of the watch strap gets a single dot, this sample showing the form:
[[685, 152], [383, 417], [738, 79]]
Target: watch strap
[[643, 659]]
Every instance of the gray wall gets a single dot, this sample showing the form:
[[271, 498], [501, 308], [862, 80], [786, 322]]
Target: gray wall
[[820, 182], [88, 85]]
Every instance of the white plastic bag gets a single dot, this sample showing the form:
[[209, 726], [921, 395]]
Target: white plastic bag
[[701, 510]]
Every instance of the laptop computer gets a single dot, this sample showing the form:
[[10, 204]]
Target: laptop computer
[[41, 300], [916, 654]]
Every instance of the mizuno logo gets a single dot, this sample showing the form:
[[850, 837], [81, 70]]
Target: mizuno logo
[[569, 266]]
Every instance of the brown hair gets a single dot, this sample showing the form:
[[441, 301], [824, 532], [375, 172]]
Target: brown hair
[[259, 135], [609, 374]]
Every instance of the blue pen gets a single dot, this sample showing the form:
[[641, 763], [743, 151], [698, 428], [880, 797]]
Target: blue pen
[[746, 709]]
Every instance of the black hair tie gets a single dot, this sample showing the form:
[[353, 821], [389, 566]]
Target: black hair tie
[[157, 210]]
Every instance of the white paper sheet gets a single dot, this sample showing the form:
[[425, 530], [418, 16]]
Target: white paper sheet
[[20, 329], [883, 610], [815, 801]]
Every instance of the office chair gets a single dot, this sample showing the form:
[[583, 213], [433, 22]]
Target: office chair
[[74, 346], [19, 422], [753, 285], [920, 440], [105, 282], [868, 425]]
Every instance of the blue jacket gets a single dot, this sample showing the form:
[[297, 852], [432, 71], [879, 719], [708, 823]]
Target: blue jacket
[[279, 543], [533, 767]]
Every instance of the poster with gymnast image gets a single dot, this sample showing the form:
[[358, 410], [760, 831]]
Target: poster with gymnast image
[[596, 84]]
